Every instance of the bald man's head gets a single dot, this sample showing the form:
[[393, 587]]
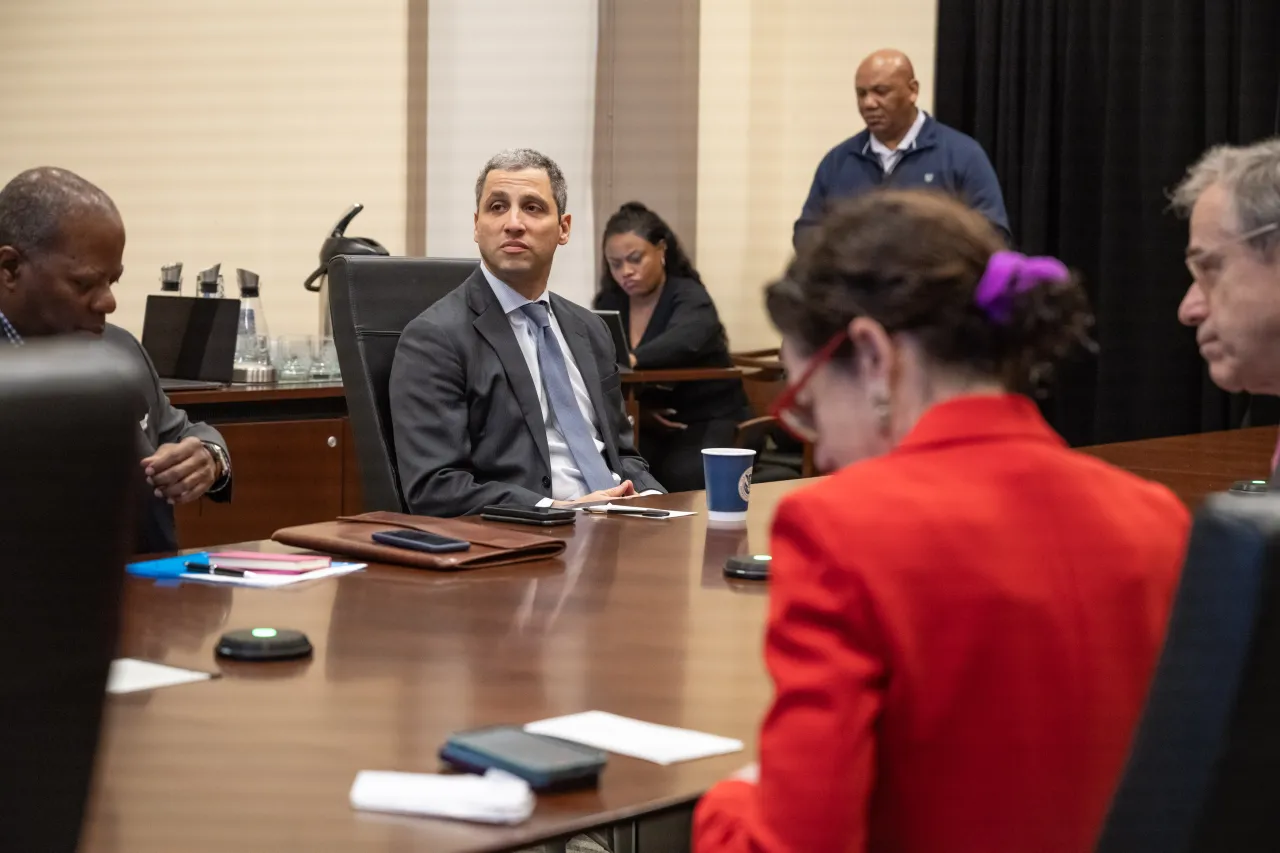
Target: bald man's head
[[34, 205], [61, 246], [887, 90]]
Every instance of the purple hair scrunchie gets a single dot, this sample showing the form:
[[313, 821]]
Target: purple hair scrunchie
[[1011, 273]]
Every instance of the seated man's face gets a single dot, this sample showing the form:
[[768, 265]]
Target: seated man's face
[[68, 288], [1233, 301], [518, 226]]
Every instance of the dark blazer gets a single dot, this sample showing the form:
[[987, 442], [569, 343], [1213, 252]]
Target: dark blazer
[[159, 423], [685, 331], [468, 428], [961, 636]]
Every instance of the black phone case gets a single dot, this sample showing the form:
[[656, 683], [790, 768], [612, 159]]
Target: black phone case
[[549, 522], [474, 751], [389, 537], [513, 516]]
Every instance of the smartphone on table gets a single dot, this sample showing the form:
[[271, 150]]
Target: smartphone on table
[[420, 540], [542, 516], [546, 763]]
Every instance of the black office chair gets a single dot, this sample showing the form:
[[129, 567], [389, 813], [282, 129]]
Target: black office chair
[[69, 488], [372, 299], [1204, 770]]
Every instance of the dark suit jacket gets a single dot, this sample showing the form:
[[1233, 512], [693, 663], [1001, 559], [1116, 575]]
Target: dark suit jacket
[[961, 635], [159, 423], [468, 427], [684, 331]]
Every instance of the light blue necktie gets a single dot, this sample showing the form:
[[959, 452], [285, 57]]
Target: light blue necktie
[[574, 427]]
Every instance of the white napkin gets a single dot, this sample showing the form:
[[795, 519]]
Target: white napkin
[[495, 797]]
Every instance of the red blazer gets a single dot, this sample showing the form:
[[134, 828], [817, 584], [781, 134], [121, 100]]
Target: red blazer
[[961, 635]]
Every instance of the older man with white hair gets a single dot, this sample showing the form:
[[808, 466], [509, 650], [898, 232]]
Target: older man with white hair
[[1232, 196]]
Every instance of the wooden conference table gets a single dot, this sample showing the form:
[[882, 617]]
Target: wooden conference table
[[636, 619], [1196, 465]]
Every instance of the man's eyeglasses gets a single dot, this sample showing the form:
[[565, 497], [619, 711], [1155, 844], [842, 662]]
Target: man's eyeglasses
[[797, 419], [1208, 263]]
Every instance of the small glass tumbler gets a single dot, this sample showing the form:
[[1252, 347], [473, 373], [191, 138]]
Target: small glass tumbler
[[324, 361], [293, 358]]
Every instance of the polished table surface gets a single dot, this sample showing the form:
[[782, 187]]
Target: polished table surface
[[1196, 465], [275, 391], [636, 618], [266, 392]]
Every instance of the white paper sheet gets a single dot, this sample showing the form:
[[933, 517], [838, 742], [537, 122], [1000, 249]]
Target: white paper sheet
[[636, 738], [129, 675], [264, 580], [495, 797], [598, 509]]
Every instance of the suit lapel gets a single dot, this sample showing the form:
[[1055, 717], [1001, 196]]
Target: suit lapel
[[494, 327], [575, 334]]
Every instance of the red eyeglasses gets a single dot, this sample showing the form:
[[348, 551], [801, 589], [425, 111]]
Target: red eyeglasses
[[797, 419]]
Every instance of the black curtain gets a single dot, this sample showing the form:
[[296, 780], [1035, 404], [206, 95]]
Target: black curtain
[[1091, 111]]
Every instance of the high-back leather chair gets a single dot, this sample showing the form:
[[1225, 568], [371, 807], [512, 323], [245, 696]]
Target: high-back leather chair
[[372, 299], [69, 488], [1204, 770]]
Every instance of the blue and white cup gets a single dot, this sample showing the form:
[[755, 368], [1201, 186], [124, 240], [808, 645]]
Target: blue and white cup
[[727, 473]]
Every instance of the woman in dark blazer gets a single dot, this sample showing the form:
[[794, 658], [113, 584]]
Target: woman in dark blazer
[[670, 322], [964, 618]]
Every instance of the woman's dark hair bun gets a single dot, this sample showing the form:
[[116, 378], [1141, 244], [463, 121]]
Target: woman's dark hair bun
[[634, 207]]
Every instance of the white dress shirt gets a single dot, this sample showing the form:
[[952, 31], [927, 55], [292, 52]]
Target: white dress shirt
[[567, 483], [889, 157]]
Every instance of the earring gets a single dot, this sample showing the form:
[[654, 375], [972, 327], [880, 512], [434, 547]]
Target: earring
[[880, 404]]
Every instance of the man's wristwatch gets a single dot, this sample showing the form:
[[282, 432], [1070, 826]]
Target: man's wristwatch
[[222, 463]]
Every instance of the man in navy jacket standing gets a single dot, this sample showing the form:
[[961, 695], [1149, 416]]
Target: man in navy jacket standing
[[903, 147]]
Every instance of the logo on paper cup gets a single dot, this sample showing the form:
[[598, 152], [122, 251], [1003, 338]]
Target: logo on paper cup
[[744, 485]]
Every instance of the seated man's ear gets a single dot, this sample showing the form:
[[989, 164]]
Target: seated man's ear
[[11, 261]]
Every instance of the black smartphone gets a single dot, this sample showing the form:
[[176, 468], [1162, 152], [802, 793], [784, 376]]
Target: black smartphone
[[546, 763], [543, 516], [419, 540], [752, 568]]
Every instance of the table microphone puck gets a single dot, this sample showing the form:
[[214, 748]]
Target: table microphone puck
[[754, 567], [1249, 487], [264, 644]]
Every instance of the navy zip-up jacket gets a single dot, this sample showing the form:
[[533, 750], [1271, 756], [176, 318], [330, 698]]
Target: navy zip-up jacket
[[942, 158]]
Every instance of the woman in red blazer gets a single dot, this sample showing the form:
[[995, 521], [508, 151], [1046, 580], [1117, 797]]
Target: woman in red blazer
[[964, 618]]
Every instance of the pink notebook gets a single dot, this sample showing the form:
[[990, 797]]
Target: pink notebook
[[290, 564]]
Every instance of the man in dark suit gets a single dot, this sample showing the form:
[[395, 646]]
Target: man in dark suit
[[503, 393], [61, 246]]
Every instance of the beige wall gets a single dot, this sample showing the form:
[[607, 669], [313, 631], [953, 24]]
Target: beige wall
[[776, 93], [239, 131], [480, 102], [234, 132]]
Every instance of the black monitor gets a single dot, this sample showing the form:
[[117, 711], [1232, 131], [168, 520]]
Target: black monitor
[[613, 319], [191, 338]]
